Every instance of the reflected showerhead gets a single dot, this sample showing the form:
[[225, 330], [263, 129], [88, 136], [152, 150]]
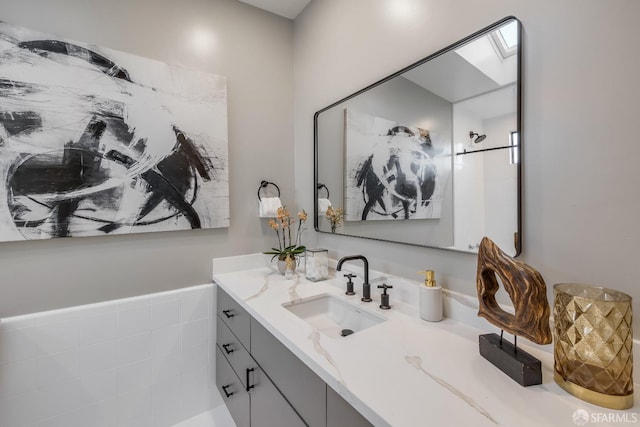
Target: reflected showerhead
[[479, 138]]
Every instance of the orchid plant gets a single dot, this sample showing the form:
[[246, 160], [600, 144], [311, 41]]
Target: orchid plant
[[335, 217], [289, 236]]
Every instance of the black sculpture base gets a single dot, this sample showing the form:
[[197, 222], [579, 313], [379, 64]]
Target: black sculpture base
[[522, 367]]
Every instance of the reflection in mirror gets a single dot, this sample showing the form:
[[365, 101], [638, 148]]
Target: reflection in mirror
[[430, 155]]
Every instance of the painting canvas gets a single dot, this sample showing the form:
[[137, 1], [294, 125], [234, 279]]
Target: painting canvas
[[95, 141], [393, 171]]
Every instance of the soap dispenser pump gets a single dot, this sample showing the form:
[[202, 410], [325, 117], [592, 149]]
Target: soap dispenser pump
[[430, 298]]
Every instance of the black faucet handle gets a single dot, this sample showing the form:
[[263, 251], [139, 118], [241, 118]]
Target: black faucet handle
[[384, 298], [385, 287], [350, 290]]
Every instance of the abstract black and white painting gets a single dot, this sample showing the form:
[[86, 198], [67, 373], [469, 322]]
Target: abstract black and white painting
[[393, 171], [95, 141]]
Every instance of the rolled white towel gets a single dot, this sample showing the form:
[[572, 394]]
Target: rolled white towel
[[323, 205], [269, 206]]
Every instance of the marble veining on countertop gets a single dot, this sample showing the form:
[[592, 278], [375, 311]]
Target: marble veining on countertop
[[404, 371]]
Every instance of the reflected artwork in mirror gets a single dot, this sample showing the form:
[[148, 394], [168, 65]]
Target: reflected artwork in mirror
[[430, 156]]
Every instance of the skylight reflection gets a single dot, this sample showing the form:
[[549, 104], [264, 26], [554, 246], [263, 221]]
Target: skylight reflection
[[509, 35]]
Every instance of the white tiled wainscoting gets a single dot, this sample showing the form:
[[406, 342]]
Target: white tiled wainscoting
[[144, 361]]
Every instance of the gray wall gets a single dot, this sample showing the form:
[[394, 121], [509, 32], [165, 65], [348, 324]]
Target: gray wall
[[253, 49], [581, 110]]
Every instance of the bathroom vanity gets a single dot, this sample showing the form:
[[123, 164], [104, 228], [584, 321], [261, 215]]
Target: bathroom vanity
[[263, 383], [274, 361]]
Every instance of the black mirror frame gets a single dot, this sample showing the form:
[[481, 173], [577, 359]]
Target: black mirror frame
[[488, 29]]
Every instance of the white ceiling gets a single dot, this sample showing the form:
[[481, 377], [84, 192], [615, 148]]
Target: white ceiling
[[493, 104], [451, 77], [287, 8]]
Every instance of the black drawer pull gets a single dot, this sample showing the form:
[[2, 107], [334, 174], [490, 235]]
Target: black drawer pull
[[228, 313], [249, 370], [226, 393], [226, 348]]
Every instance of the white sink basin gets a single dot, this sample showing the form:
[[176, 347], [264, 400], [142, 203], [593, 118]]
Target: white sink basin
[[332, 315]]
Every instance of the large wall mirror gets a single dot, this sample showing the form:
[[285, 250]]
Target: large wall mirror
[[430, 155]]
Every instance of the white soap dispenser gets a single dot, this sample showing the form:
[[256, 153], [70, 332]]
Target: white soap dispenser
[[430, 298]]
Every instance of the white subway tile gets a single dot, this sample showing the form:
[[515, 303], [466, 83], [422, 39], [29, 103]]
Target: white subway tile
[[101, 414], [167, 339], [134, 404], [213, 333], [143, 361], [97, 309], [166, 399], [145, 420], [212, 362], [215, 398], [134, 376], [58, 335], [58, 315], [195, 392], [19, 410], [59, 367], [134, 348], [135, 302], [100, 385], [97, 328], [134, 321], [195, 333], [165, 365], [60, 398], [195, 377], [98, 357], [19, 322], [18, 377], [165, 313], [195, 357], [19, 344], [167, 296], [195, 304], [167, 417]]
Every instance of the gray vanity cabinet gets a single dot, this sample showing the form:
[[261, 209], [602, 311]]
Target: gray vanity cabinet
[[341, 414], [235, 317], [264, 384], [262, 406], [235, 353], [249, 394], [300, 385], [268, 407], [233, 392]]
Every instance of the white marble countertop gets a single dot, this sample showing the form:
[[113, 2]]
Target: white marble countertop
[[405, 371]]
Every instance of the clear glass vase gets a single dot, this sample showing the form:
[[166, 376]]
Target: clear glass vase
[[284, 265]]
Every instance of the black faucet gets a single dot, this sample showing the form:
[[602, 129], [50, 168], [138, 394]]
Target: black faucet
[[366, 287]]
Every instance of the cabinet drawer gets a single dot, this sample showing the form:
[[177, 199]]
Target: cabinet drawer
[[232, 391], [235, 353], [235, 317], [296, 381]]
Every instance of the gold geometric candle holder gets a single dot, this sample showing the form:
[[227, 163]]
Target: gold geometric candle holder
[[593, 344]]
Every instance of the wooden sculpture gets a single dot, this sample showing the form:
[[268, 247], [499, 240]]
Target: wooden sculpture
[[524, 285]]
